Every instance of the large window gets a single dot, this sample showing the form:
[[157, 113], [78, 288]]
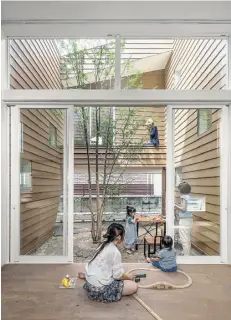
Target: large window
[[52, 136], [25, 176], [178, 176], [177, 75], [192, 64], [204, 122]]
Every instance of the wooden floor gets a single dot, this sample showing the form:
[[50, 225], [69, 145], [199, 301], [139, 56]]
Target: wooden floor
[[31, 292]]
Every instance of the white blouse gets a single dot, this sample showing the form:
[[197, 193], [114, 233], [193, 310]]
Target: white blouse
[[106, 267]]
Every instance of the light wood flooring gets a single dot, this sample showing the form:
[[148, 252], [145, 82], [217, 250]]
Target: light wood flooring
[[30, 292]]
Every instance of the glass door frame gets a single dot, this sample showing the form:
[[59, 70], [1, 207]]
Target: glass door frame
[[170, 186], [172, 99], [68, 168]]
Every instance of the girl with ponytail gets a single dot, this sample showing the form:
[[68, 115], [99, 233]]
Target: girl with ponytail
[[130, 230], [105, 278]]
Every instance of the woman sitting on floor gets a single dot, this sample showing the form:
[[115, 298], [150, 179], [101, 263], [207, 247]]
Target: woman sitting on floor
[[105, 278]]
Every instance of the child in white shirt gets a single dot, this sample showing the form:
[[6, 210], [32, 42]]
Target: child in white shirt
[[185, 218]]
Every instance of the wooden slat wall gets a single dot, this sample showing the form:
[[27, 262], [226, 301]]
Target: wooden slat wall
[[40, 206], [34, 64], [148, 157], [203, 64], [203, 67], [144, 156]]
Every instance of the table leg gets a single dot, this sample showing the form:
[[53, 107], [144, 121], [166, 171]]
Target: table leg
[[144, 248], [137, 232]]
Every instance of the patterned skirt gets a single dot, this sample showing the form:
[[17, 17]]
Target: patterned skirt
[[110, 293]]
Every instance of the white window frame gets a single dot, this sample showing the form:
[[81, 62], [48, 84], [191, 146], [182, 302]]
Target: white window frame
[[156, 97], [68, 169], [170, 187], [178, 99]]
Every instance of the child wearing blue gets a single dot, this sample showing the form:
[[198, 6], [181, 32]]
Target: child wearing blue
[[166, 259], [130, 230]]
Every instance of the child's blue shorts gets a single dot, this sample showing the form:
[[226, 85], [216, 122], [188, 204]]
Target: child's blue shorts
[[157, 265]]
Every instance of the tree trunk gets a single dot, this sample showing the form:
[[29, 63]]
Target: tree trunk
[[93, 219]]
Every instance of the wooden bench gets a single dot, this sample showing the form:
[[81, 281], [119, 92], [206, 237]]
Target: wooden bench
[[154, 242]]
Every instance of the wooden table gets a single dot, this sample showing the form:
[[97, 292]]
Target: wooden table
[[154, 223]]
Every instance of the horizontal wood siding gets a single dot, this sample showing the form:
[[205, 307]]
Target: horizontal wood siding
[[39, 206], [203, 66], [142, 157], [142, 114], [35, 64], [139, 155], [202, 63]]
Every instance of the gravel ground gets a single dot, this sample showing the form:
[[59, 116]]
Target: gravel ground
[[83, 246]]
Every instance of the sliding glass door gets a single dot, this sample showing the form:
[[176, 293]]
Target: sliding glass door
[[196, 192], [42, 180], [41, 184]]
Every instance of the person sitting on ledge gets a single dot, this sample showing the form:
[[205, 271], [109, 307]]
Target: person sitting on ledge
[[154, 136]]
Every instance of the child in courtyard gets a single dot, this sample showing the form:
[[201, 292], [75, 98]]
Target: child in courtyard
[[130, 230], [185, 218], [105, 278], [166, 259]]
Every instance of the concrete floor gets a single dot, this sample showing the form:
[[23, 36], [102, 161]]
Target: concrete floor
[[32, 292]]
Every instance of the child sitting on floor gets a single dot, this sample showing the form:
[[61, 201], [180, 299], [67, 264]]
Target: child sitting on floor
[[130, 230], [166, 259]]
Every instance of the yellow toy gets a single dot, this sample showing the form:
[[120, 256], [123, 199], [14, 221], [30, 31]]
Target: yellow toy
[[66, 281]]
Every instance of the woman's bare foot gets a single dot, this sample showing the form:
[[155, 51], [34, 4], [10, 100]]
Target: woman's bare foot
[[82, 276]]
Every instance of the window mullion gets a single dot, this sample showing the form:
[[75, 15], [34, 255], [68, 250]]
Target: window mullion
[[117, 62]]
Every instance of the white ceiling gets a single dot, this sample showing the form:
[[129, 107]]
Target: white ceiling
[[127, 18], [113, 10]]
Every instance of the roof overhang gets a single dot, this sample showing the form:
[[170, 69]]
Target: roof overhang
[[149, 64]]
